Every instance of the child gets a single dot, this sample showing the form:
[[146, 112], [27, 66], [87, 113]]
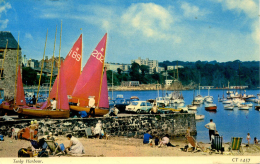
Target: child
[[248, 138], [156, 140], [255, 140]]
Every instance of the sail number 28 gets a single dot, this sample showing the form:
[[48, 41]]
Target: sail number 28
[[75, 55], [99, 56]]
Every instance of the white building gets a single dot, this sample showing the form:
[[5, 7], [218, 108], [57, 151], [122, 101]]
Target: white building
[[174, 67], [168, 82], [24, 60], [114, 66], [153, 64]]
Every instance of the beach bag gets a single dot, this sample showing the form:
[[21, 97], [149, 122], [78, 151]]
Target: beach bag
[[23, 153], [1, 137]]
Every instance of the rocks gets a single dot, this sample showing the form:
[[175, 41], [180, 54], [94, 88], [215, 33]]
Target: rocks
[[133, 126]]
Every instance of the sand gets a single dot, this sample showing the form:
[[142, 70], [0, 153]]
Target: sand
[[124, 147]]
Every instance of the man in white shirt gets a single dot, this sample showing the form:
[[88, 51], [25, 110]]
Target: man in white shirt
[[54, 104], [91, 104], [212, 128]]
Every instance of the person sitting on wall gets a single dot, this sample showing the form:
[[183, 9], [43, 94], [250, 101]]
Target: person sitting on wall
[[114, 111], [154, 109]]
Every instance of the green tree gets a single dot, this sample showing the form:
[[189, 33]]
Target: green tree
[[134, 72], [29, 76]]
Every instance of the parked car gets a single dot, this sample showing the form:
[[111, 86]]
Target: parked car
[[139, 107], [121, 103]]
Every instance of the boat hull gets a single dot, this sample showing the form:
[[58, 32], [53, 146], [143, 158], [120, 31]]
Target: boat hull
[[98, 111], [211, 108], [43, 113]]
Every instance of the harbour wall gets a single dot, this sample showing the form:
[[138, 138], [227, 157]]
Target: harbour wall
[[129, 126]]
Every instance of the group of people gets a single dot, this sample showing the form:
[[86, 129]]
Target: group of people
[[164, 141], [213, 132]]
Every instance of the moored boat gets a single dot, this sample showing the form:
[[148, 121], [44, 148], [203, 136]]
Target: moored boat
[[243, 107], [229, 107], [199, 117], [93, 83], [211, 107], [192, 107]]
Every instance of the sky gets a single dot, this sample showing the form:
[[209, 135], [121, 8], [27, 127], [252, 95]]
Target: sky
[[184, 30]]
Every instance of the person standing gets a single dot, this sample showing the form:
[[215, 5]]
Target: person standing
[[248, 138], [33, 100], [91, 104], [54, 104], [212, 128]]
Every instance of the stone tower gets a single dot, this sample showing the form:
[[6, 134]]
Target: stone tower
[[7, 81]]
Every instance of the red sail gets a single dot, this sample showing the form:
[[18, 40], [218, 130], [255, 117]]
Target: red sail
[[62, 100], [89, 82], [104, 92], [72, 67], [20, 99]]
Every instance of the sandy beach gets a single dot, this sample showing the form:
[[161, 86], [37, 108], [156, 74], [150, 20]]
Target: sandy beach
[[125, 147]]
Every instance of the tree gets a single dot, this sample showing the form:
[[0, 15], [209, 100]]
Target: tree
[[134, 72], [29, 76], [144, 69]]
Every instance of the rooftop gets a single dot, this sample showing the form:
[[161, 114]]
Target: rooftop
[[12, 43]]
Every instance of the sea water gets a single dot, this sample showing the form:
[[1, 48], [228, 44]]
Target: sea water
[[229, 123]]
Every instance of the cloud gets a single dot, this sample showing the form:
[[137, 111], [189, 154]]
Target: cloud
[[249, 8], [150, 20], [5, 7], [29, 36], [192, 11], [3, 23]]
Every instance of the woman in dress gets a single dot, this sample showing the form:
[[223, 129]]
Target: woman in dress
[[75, 146]]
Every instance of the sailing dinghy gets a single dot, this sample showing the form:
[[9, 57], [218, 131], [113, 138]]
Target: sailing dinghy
[[66, 81], [93, 83]]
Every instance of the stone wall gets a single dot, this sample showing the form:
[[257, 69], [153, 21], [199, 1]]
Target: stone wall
[[129, 126], [8, 83]]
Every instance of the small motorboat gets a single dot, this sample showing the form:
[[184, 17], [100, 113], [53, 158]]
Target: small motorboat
[[192, 107], [229, 107], [211, 107], [199, 117], [243, 107], [227, 102], [257, 107]]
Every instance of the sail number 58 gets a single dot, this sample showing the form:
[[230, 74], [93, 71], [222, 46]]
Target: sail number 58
[[99, 56]]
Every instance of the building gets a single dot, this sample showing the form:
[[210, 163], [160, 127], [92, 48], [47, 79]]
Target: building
[[170, 67], [130, 83], [114, 66], [8, 58], [238, 87], [206, 87], [24, 61], [153, 64], [168, 82]]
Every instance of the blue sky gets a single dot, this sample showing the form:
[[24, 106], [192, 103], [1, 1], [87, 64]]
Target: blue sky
[[186, 30]]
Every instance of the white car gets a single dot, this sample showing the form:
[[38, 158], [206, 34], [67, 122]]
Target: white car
[[139, 106]]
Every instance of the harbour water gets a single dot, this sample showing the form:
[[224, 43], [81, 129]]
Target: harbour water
[[229, 123]]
